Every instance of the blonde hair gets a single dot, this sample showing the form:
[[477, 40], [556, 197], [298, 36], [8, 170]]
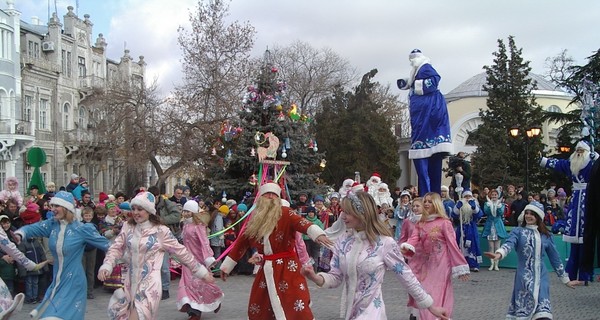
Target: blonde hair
[[265, 218], [367, 214], [438, 206], [417, 199]]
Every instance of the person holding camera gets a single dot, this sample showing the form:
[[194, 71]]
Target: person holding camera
[[458, 167]]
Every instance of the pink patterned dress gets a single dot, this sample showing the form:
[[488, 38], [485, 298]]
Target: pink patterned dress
[[142, 247], [436, 261], [197, 293]]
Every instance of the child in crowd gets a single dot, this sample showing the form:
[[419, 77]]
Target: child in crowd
[[434, 255], [401, 212], [32, 248], [412, 217], [230, 235], [11, 191], [195, 297], [143, 242], [99, 216], [7, 263], [110, 228], [89, 254], [532, 241]]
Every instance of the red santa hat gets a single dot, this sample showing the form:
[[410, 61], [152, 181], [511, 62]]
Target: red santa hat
[[102, 197]]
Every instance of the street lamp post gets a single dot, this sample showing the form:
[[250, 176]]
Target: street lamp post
[[529, 134]]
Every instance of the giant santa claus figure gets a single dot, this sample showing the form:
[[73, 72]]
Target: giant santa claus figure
[[429, 122]]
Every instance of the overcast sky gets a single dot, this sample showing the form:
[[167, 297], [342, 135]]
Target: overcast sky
[[459, 36]]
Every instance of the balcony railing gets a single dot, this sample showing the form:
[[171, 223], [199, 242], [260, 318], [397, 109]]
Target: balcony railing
[[14, 126], [91, 82]]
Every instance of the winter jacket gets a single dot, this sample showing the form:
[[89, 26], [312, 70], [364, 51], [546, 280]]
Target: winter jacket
[[32, 248]]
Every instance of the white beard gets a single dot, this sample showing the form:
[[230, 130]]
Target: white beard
[[579, 161], [466, 213]]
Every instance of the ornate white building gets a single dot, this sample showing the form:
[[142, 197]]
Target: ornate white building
[[47, 76]]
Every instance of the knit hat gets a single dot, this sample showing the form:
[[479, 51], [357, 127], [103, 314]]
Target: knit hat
[[191, 206], [102, 197], [125, 206], [561, 192], [82, 180], [582, 145], [242, 207], [224, 209], [65, 200], [445, 188], [32, 206], [2, 217], [230, 203], [535, 207], [269, 187], [319, 198], [405, 193], [334, 195], [311, 209], [145, 200], [74, 176], [110, 205]]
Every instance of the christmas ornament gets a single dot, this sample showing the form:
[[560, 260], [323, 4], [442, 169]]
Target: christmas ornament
[[253, 180], [311, 144], [281, 116], [214, 151], [283, 152], [294, 115], [224, 197], [271, 150], [259, 138], [279, 107], [315, 148], [253, 152], [323, 163], [229, 155]]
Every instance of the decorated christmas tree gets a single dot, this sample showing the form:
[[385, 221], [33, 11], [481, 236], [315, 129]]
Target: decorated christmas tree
[[270, 129]]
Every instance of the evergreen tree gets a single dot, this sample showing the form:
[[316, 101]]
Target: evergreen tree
[[356, 136], [501, 159], [265, 109]]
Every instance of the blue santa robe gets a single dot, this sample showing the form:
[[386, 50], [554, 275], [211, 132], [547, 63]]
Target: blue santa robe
[[575, 214], [531, 292], [429, 120], [66, 296]]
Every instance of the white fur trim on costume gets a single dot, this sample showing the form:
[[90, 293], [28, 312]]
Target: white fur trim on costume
[[202, 272], [444, 147], [208, 261], [407, 246], [63, 203], [502, 253], [228, 265], [269, 187], [419, 87], [425, 303], [460, 270], [543, 162], [314, 232], [270, 280]]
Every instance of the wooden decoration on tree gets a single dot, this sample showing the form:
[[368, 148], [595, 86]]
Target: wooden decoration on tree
[[271, 150]]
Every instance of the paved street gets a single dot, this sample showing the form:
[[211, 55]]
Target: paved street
[[484, 296]]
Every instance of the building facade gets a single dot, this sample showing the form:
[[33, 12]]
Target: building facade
[[49, 75]]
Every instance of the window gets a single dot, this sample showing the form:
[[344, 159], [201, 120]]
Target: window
[[6, 44], [66, 111], [81, 65], [554, 108], [34, 49], [44, 120], [28, 102], [81, 116], [68, 64]]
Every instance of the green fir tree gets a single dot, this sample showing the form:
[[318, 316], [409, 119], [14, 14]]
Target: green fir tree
[[501, 159], [356, 136], [238, 143]]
